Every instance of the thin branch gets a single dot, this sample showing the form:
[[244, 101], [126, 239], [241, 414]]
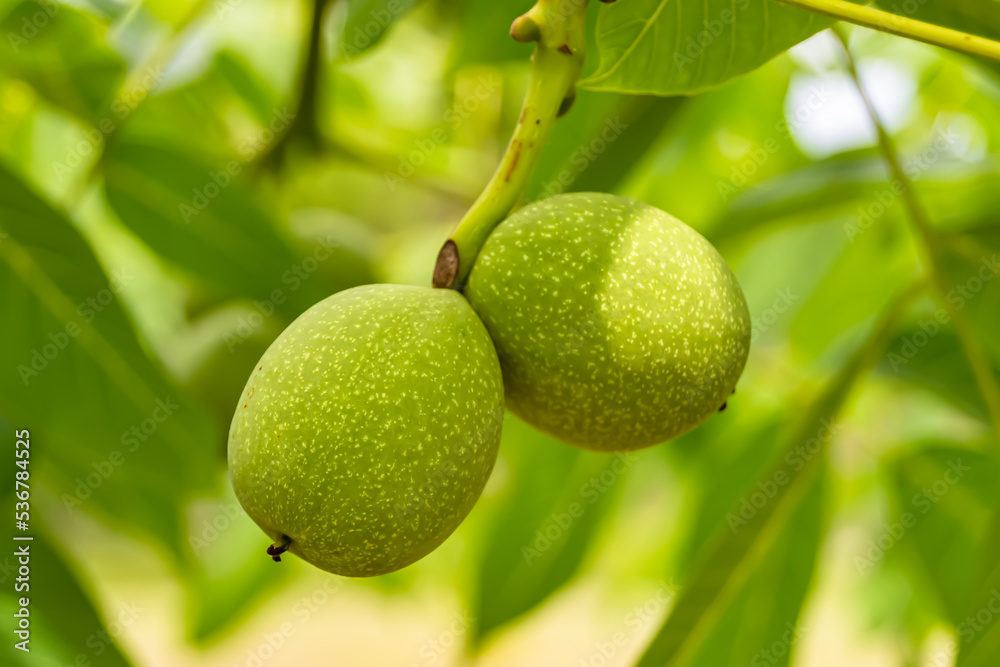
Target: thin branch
[[901, 26], [305, 124], [975, 353], [558, 27]]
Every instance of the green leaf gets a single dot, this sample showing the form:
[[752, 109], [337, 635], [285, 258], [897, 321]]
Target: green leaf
[[484, 32], [63, 54], [366, 22], [232, 573], [681, 47], [979, 641], [66, 628], [842, 301], [929, 355], [591, 148], [853, 187], [763, 613], [202, 218], [548, 516], [946, 496], [757, 526], [126, 441]]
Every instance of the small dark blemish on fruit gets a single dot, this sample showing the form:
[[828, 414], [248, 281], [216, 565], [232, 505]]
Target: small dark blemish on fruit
[[722, 407], [513, 163], [538, 121]]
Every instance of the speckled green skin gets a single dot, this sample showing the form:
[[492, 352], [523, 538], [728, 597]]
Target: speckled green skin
[[618, 326], [369, 428]]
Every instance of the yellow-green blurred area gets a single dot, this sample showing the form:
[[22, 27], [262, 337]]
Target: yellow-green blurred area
[[179, 180]]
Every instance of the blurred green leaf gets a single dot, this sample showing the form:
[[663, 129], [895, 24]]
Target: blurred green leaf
[[127, 439], [66, 628], [62, 53], [485, 32], [232, 70], [929, 355], [202, 218], [843, 300], [948, 494], [592, 148], [756, 526], [760, 622], [854, 187], [366, 22], [232, 572], [979, 637], [544, 525]]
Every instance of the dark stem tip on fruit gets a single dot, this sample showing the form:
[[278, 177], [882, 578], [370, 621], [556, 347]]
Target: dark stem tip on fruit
[[446, 269], [275, 550], [722, 407]]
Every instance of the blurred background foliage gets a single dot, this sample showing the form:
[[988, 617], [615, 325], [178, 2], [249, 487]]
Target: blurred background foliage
[[179, 180]]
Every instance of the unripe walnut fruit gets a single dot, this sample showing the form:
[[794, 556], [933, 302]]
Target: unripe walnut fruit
[[369, 428], [617, 326]]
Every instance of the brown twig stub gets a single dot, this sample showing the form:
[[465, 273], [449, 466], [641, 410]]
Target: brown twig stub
[[446, 269], [275, 550]]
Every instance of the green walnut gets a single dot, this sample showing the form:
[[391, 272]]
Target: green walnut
[[617, 326], [369, 428]]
